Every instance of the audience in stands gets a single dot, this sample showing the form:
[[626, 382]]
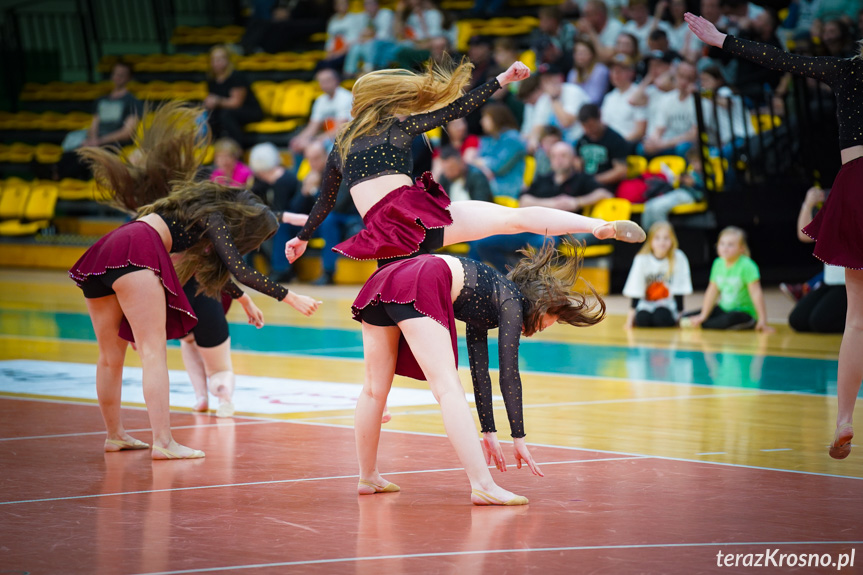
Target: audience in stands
[[115, 118], [461, 180], [229, 170], [658, 280], [727, 120], [640, 23], [554, 38], [675, 127], [823, 309], [599, 29], [680, 37], [588, 72], [548, 137], [505, 55], [230, 101], [418, 21], [560, 103], [330, 111], [564, 189], [618, 112], [691, 189], [344, 29], [501, 151], [376, 45], [601, 150], [341, 223]]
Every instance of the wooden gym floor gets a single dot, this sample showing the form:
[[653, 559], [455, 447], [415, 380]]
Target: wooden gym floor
[[664, 451]]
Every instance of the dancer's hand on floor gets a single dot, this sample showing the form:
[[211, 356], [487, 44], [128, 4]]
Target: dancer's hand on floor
[[492, 450], [302, 303], [522, 455], [253, 312], [294, 249]]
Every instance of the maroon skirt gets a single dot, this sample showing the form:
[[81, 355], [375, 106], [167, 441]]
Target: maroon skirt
[[426, 282], [396, 226], [838, 226], [139, 245]]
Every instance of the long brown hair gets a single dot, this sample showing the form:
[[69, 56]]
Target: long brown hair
[[248, 222], [170, 149], [382, 95], [547, 278]]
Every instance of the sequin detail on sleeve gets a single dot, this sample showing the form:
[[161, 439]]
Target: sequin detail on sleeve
[[326, 198], [488, 301], [421, 123], [217, 232], [845, 76], [233, 290]]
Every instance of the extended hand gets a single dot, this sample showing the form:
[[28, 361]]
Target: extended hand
[[302, 303], [522, 455], [515, 73], [705, 30], [294, 249], [253, 312], [492, 450]]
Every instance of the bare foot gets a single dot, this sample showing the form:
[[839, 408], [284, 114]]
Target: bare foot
[[176, 451], [226, 409], [496, 495]]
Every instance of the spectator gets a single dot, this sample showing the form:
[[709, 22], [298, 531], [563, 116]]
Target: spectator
[[823, 309], [479, 52], [559, 104], [230, 171], [505, 54], [564, 189], [548, 137], [588, 72], [751, 77], [641, 23], [676, 127], [680, 37], [602, 151], [691, 189], [457, 137], [730, 123], [278, 188], [418, 21], [461, 180], [618, 112], [376, 44], [658, 280], [734, 298], [600, 30], [115, 119], [501, 152], [553, 40], [657, 83], [837, 40], [626, 44], [344, 29], [230, 101], [330, 111], [529, 93]]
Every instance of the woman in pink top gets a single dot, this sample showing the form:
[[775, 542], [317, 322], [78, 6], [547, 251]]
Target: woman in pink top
[[230, 171]]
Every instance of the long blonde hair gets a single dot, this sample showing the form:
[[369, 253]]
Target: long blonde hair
[[647, 249], [382, 95], [547, 278], [735, 231]]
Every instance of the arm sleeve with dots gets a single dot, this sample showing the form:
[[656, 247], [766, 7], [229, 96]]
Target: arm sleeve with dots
[[233, 290], [217, 232], [326, 199], [477, 350], [826, 69], [421, 123], [509, 334]]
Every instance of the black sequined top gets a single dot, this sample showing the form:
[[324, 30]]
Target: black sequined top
[[214, 229], [844, 76], [386, 151], [489, 300]]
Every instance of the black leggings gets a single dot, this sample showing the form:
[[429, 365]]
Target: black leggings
[[660, 317], [388, 314], [212, 327], [432, 242], [821, 311], [720, 319], [102, 285]]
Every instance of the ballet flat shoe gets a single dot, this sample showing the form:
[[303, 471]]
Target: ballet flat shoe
[[628, 231], [388, 488], [841, 446], [196, 454], [120, 445], [480, 497], [225, 409]]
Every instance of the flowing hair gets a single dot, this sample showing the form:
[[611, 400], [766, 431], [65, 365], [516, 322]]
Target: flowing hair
[[382, 95], [547, 278], [170, 149], [646, 249], [248, 221]]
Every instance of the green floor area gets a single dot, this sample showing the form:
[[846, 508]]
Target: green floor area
[[738, 370]]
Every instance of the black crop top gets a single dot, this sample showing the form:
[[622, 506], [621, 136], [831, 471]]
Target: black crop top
[[487, 301], [214, 229], [387, 151], [843, 75]]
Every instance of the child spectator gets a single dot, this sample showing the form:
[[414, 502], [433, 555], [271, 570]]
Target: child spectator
[[733, 299], [658, 280], [230, 171]]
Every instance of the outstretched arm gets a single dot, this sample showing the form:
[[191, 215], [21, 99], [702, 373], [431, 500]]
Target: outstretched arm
[[332, 180]]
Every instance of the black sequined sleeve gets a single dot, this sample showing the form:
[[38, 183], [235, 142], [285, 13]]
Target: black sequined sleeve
[[233, 290], [422, 123], [826, 69], [217, 232], [477, 351], [508, 337], [332, 180]]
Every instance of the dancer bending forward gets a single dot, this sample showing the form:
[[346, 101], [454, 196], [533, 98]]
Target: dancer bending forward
[[408, 310], [401, 217], [838, 227]]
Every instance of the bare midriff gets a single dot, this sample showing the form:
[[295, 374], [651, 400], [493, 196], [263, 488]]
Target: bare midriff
[[156, 222], [368, 193], [851, 154]]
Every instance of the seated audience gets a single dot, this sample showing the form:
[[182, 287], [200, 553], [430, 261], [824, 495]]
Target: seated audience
[[230, 101], [501, 152], [602, 151], [230, 171], [330, 111], [461, 180]]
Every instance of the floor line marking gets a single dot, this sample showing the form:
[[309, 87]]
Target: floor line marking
[[515, 550], [778, 449], [284, 481], [143, 430]]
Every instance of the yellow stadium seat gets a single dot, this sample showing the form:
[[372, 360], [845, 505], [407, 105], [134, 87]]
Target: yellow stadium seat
[[71, 189], [21, 153], [14, 200], [265, 92], [4, 153], [303, 170], [294, 100], [635, 166], [506, 201], [529, 170], [677, 164], [48, 153], [37, 213]]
